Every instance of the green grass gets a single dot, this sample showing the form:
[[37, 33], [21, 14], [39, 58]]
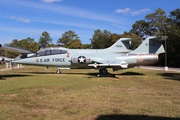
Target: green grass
[[37, 93]]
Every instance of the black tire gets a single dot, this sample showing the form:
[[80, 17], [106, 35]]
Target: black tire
[[103, 71], [58, 72]]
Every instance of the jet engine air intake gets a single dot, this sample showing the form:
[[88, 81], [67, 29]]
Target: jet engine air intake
[[147, 59]]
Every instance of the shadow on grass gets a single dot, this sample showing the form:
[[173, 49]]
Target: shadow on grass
[[3, 77], [171, 76], [94, 74], [132, 117], [43, 72], [131, 73], [101, 75], [114, 75], [63, 73]]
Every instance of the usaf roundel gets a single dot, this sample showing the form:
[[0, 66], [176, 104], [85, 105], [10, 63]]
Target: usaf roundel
[[81, 59]]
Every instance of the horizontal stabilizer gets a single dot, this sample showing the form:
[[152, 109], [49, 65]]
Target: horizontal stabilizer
[[162, 38], [129, 39], [14, 49]]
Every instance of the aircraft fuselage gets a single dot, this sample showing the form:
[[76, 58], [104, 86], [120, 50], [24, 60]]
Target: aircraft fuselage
[[82, 60], [117, 57]]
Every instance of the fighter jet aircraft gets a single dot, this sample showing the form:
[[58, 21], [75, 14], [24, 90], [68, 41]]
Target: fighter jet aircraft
[[117, 57]]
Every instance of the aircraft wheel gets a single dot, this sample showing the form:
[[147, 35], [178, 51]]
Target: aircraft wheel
[[103, 71], [58, 71]]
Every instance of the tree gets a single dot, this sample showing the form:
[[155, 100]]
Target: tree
[[2, 52], [32, 45], [26, 44], [114, 37], [86, 46], [45, 40], [140, 28], [157, 22], [175, 17], [75, 44], [15, 43], [135, 43], [68, 38], [101, 39], [173, 42]]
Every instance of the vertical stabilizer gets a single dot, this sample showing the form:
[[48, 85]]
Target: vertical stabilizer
[[151, 45], [122, 43]]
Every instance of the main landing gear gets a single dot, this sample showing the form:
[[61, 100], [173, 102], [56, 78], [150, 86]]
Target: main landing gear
[[58, 71], [103, 71]]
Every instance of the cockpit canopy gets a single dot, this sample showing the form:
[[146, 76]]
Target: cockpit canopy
[[46, 51], [51, 52]]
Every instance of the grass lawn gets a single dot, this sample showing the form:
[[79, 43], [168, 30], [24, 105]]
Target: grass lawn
[[78, 94], [2, 66]]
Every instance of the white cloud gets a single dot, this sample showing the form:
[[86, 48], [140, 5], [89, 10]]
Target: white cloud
[[13, 17], [24, 20], [139, 11], [20, 19], [132, 12], [50, 1], [126, 10]]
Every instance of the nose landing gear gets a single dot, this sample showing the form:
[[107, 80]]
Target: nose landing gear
[[58, 71]]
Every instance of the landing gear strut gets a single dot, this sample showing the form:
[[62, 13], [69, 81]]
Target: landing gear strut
[[103, 71], [58, 71]]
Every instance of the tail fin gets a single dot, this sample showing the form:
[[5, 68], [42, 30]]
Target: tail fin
[[150, 45], [122, 43]]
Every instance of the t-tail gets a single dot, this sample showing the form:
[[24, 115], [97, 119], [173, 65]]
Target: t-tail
[[151, 45]]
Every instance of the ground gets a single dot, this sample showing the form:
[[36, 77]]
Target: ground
[[38, 93]]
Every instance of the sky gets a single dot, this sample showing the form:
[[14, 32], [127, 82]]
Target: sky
[[20, 19]]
